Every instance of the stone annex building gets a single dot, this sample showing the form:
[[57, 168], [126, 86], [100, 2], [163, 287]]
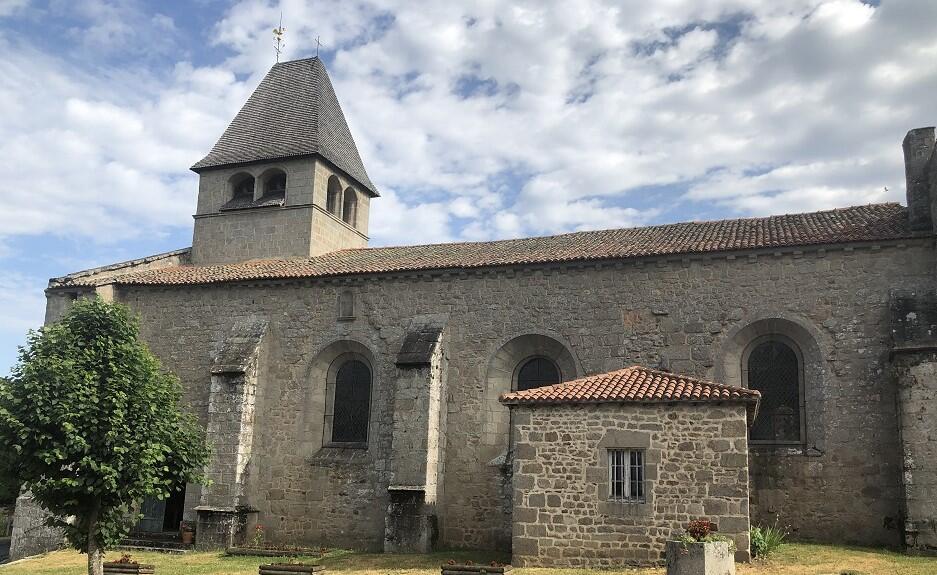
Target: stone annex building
[[404, 398]]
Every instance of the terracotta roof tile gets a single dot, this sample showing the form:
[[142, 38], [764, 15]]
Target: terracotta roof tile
[[634, 384], [876, 222]]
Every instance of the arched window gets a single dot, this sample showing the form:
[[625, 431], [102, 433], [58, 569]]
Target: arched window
[[537, 372], [242, 187], [352, 403], [773, 366], [333, 202], [275, 184], [350, 207]]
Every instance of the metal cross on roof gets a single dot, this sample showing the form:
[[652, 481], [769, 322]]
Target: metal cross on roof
[[278, 36]]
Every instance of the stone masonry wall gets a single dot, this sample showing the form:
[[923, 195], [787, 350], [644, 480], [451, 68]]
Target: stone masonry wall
[[678, 314], [30, 535], [696, 466]]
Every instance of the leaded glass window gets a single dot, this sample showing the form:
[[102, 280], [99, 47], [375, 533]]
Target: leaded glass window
[[537, 372], [352, 403], [626, 475], [774, 370]]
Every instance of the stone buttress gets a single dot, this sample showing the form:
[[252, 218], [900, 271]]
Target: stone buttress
[[224, 509], [416, 468], [914, 361]]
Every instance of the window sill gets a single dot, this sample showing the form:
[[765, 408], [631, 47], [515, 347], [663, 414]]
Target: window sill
[[784, 449], [347, 318], [346, 445], [619, 508], [332, 457]]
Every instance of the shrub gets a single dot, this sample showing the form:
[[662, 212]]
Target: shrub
[[700, 529], [765, 540], [704, 531]]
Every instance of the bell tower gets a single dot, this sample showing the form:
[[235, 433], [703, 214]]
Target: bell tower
[[285, 179]]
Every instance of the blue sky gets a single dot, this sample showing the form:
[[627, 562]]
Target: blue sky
[[476, 120]]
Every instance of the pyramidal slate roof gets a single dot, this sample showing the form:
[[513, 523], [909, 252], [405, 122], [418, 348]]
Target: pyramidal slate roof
[[293, 112]]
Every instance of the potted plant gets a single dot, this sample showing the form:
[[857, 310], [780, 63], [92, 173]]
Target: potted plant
[[126, 565], [701, 551], [290, 568], [453, 568], [187, 532]]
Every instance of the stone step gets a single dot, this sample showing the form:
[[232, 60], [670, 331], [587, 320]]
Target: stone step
[[164, 536], [146, 542], [153, 549]]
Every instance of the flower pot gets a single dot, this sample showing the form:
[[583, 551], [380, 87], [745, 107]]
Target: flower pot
[[188, 537], [709, 558], [469, 569], [289, 569], [116, 568]]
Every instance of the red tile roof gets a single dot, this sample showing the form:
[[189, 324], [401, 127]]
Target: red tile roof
[[876, 222], [633, 384]]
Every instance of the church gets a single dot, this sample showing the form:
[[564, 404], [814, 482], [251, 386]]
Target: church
[[574, 399]]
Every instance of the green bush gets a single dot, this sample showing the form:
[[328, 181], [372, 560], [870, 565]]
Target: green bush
[[765, 540]]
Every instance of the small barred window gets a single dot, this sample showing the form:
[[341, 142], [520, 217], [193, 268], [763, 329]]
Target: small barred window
[[626, 475]]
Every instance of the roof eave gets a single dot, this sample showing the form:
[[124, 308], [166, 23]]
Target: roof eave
[[752, 404]]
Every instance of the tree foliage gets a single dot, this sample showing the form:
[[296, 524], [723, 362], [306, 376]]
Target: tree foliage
[[93, 425], [9, 485]]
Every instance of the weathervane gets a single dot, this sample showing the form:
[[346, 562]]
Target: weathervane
[[278, 36], [317, 46]]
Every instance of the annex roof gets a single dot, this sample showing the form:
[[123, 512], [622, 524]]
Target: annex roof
[[293, 112], [869, 223], [631, 384], [635, 384]]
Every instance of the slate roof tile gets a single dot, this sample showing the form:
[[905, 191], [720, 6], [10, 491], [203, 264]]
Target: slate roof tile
[[293, 112]]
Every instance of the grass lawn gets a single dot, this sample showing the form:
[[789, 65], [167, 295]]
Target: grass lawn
[[792, 559]]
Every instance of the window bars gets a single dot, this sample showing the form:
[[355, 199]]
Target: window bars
[[626, 475], [352, 403], [774, 370]]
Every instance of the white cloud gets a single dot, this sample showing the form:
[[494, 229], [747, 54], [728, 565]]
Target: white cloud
[[493, 120], [8, 7]]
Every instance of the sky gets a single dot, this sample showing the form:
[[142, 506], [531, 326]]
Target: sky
[[476, 120]]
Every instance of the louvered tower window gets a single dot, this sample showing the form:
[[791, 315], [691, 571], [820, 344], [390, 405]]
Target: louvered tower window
[[774, 369], [352, 403]]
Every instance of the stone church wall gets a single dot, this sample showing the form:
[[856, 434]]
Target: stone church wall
[[696, 465], [684, 315]]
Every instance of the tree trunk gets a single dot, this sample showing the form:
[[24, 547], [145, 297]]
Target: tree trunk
[[95, 553]]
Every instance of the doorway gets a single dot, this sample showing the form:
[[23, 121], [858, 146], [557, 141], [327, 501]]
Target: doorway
[[162, 516]]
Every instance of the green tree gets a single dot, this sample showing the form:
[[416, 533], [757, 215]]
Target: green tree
[[9, 486], [93, 424]]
